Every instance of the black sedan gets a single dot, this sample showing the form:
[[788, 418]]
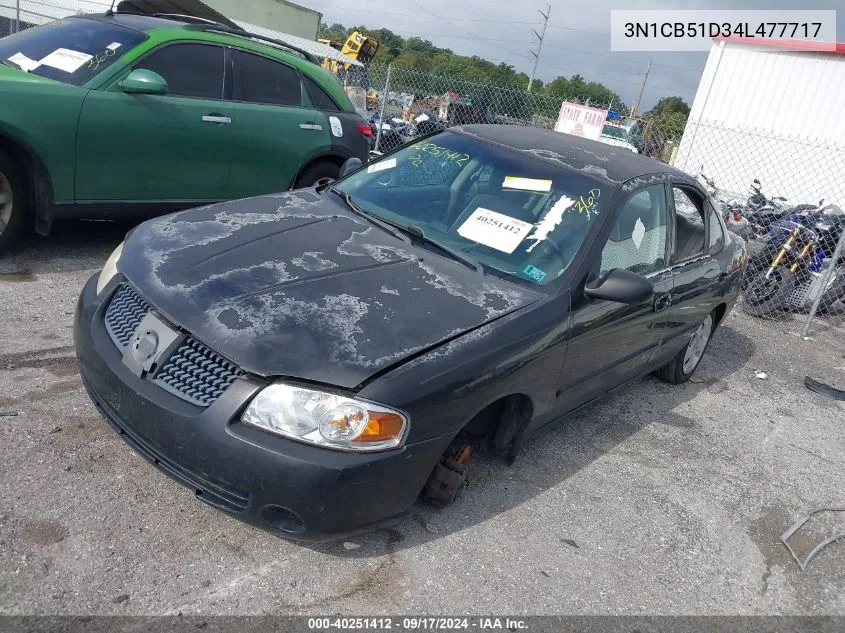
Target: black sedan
[[312, 362]]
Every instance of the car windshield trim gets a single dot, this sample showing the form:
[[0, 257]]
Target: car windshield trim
[[390, 227], [418, 231]]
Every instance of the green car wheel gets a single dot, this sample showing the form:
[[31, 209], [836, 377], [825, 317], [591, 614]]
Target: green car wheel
[[12, 201]]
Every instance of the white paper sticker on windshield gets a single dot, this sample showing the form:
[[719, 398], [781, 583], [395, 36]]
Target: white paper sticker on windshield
[[553, 217], [639, 233], [390, 163], [495, 230], [527, 184], [66, 59], [24, 62], [113, 46]]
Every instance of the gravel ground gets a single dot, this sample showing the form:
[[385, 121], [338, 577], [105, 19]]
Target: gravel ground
[[660, 499]]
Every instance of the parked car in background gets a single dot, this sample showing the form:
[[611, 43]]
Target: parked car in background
[[107, 116], [616, 135], [319, 359]]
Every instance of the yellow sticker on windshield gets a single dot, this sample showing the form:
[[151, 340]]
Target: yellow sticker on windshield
[[527, 184]]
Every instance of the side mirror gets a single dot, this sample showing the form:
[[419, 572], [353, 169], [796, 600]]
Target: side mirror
[[622, 286], [144, 82], [349, 165]]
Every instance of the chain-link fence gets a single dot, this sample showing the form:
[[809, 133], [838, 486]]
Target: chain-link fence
[[18, 15], [784, 195]]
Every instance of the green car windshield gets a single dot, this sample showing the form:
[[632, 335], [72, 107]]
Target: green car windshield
[[72, 50], [517, 215]]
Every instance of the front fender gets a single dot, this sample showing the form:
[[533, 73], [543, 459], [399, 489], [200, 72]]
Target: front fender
[[41, 117]]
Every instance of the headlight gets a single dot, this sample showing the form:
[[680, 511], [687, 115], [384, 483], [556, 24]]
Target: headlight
[[109, 268], [326, 419]]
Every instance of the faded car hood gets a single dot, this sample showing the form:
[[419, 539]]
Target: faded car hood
[[297, 285]]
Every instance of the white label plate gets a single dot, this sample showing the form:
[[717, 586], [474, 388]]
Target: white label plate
[[24, 62], [66, 59], [494, 229], [390, 163]]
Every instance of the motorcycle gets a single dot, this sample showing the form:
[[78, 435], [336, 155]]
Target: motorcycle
[[789, 273], [396, 132], [763, 211], [731, 211]]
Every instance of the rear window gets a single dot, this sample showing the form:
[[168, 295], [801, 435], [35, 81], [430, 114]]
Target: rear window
[[72, 50]]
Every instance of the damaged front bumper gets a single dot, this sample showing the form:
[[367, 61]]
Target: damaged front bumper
[[292, 489]]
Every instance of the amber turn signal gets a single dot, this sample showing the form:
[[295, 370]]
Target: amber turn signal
[[381, 426]]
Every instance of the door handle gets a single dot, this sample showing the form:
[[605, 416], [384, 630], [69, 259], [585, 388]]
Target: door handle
[[215, 118], [662, 302], [311, 126]]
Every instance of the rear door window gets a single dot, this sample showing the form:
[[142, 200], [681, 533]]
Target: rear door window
[[72, 50], [715, 233], [689, 223], [263, 80], [191, 70]]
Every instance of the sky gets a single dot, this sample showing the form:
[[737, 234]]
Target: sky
[[577, 39]]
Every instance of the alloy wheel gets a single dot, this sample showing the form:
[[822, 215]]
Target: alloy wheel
[[697, 345], [6, 201]]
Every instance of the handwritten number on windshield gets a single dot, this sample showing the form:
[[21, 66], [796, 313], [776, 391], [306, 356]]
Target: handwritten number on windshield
[[96, 60], [587, 204]]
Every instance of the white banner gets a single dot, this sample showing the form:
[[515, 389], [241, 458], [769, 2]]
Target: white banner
[[580, 120]]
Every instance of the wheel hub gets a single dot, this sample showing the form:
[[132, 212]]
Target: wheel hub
[[6, 201], [697, 345]]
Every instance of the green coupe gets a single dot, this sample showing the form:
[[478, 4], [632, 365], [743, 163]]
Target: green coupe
[[117, 115]]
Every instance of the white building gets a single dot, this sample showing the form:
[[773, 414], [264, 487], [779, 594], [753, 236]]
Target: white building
[[772, 111]]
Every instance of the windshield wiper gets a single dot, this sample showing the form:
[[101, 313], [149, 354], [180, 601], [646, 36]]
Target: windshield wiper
[[11, 64], [417, 230], [390, 228]]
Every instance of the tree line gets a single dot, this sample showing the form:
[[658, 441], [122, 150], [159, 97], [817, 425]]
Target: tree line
[[422, 56]]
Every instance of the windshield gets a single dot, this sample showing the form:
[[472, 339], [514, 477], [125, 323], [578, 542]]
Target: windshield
[[72, 50], [614, 131], [517, 215]]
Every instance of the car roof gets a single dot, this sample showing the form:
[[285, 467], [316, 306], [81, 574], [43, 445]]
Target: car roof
[[137, 21], [145, 22], [594, 159]]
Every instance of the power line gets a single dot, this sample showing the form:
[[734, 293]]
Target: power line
[[540, 43]]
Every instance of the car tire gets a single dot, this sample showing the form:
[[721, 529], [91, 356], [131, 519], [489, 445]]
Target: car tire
[[13, 200], [313, 173], [681, 368]]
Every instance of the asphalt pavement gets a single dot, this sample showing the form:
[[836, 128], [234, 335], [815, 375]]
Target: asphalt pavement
[[659, 500]]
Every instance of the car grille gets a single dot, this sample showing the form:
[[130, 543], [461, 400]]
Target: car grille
[[192, 372], [196, 374], [123, 315]]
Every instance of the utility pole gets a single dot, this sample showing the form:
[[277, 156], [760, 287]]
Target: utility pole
[[540, 37], [642, 90]]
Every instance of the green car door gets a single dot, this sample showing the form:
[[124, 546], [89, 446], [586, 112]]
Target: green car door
[[171, 147], [274, 132]]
